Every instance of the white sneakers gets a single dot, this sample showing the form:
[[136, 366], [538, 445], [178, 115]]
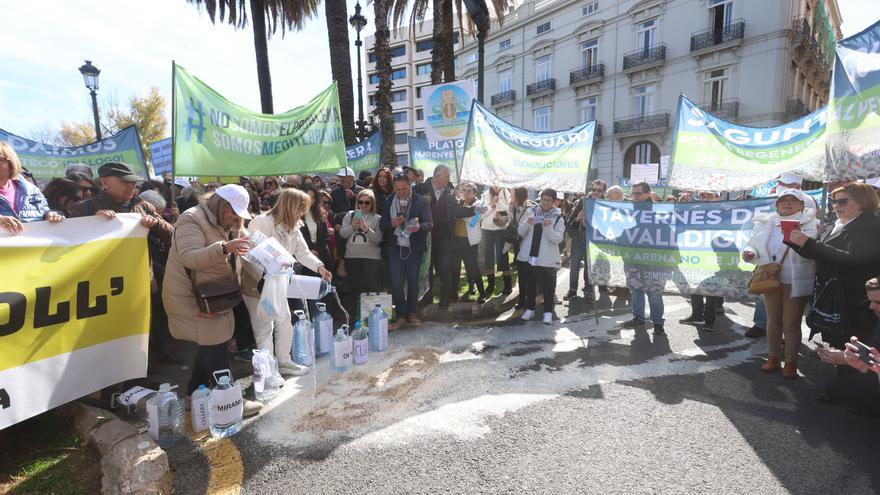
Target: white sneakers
[[528, 315], [251, 408], [292, 369], [548, 318]]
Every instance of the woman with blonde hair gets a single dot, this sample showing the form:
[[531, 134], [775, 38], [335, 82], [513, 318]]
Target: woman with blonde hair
[[20, 201], [283, 222], [363, 252]]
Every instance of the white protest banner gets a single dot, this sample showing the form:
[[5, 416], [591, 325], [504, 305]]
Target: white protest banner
[[644, 172]]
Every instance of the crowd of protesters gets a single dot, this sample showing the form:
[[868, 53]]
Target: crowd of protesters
[[370, 233]]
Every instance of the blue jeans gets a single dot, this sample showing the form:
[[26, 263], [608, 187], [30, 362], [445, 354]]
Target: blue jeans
[[404, 270], [760, 319], [655, 301]]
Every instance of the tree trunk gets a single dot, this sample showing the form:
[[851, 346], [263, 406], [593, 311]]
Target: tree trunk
[[383, 95], [340, 63], [449, 42], [258, 19], [439, 46]]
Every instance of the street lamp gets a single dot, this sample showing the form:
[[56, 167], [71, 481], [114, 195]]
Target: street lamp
[[359, 22], [90, 76]]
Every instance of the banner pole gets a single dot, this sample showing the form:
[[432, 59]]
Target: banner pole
[[824, 201], [173, 126]]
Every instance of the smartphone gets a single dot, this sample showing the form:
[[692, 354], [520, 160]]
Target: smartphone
[[358, 214], [864, 353]]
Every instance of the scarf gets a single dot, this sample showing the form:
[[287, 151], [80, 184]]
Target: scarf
[[538, 229], [396, 208]]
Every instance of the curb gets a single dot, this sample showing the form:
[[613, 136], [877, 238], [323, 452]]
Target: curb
[[131, 462], [469, 310]]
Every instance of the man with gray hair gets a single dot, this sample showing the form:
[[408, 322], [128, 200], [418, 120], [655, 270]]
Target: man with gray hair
[[441, 197]]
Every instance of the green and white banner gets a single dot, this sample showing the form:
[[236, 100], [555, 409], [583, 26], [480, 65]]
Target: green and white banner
[[426, 155], [213, 136], [710, 154], [854, 109], [48, 161], [500, 154]]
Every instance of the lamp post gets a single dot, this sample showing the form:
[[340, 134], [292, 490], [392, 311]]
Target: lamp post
[[90, 76], [479, 13], [359, 22]]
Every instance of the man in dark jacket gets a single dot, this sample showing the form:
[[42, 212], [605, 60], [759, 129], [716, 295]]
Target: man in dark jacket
[[405, 223], [576, 226], [345, 194], [441, 197]]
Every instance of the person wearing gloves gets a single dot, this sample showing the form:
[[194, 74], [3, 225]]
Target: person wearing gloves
[[363, 254], [466, 235], [283, 222], [785, 308], [542, 229], [207, 243], [493, 223]]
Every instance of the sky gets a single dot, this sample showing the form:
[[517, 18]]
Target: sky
[[133, 44]]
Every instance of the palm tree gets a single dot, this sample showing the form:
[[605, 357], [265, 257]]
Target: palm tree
[[336, 12], [381, 9]]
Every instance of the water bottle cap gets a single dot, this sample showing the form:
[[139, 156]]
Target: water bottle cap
[[321, 306], [201, 386], [166, 387], [357, 324]]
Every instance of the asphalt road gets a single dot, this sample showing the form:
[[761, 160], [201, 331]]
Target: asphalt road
[[577, 407]]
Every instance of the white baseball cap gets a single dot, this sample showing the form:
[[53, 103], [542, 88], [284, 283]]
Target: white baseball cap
[[875, 182], [791, 178], [181, 182], [346, 172], [797, 193], [238, 198]]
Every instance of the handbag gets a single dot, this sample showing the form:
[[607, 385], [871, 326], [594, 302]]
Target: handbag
[[215, 296], [765, 278], [828, 311]]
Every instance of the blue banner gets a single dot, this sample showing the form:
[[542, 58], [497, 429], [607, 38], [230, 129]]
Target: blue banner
[[426, 155], [689, 248], [364, 155]]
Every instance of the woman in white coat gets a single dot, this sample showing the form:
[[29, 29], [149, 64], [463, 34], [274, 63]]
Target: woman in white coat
[[785, 308], [283, 222], [542, 229]]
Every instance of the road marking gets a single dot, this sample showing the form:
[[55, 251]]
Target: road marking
[[224, 461]]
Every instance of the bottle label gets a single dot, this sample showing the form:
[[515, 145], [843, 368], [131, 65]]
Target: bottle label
[[325, 330], [261, 374], [361, 350], [342, 352], [153, 420], [200, 410], [227, 405]]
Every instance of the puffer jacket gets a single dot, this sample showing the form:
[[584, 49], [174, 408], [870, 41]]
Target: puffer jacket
[[30, 202], [503, 203], [197, 244], [803, 271], [291, 239], [551, 237]]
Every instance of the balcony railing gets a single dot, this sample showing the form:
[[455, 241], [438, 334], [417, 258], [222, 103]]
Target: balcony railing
[[714, 36], [642, 123], [794, 107], [585, 75], [504, 98], [638, 58], [725, 109], [541, 87]]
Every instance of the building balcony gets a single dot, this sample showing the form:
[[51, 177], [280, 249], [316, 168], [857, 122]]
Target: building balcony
[[643, 124], [598, 134], [795, 108], [712, 39], [644, 58], [586, 75], [541, 88], [725, 109], [504, 98]]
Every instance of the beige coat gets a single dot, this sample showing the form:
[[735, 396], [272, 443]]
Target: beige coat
[[197, 244]]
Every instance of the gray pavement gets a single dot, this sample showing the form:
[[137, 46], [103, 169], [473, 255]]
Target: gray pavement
[[576, 407]]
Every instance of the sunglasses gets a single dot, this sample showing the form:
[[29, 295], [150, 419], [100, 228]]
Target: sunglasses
[[365, 202], [841, 201]]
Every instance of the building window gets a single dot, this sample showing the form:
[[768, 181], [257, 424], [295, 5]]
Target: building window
[[640, 153], [424, 45], [420, 114], [403, 159], [398, 51], [374, 78], [542, 119], [591, 8], [714, 88], [423, 69], [505, 81], [455, 38], [398, 73], [588, 109], [399, 95], [543, 71], [589, 53], [720, 13], [647, 34], [543, 28], [400, 138], [420, 134], [504, 45], [373, 100], [419, 91], [644, 100], [399, 117], [372, 57]]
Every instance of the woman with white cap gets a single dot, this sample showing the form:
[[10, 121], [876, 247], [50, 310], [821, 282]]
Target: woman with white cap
[[785, 308], [207, 241]]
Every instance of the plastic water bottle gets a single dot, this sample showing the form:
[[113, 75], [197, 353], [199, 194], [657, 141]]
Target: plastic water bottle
[[378, 326], [227, 406], [342, 350], [199, 407], [308, 287], [165, 417], [361, 345], [303, 339], [476, 217], [265, 385], [323, 324]]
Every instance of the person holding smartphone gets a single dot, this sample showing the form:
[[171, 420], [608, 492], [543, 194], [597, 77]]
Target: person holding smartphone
[[363, 258]]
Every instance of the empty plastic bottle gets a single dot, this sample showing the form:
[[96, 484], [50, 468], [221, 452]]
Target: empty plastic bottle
[[323, 324], [227, 405], [303, 340], [378, 326], [342, 349], [165, 417], [200, 409], [308, 287], [265, 385], [360, 343]]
